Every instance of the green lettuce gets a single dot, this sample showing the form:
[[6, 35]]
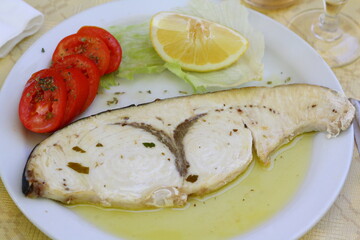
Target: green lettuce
[[140, 57], [108, 81]]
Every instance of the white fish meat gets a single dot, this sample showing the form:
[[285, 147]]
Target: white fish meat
[[158, 154]]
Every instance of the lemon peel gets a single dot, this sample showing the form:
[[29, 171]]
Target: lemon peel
[[194, 43]]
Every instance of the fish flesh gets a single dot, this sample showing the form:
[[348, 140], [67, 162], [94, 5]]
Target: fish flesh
[[160, 153]]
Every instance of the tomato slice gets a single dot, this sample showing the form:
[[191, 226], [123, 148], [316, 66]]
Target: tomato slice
[[92, 47], [111, 42], [88, 68], [77, 90], [43, 101]]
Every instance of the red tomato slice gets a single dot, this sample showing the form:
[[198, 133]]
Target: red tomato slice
[[111, 42], [92, 47], [43, 101], [88, 68], [77, 90]]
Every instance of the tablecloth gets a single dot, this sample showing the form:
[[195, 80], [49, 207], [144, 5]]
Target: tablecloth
[[342, 221]]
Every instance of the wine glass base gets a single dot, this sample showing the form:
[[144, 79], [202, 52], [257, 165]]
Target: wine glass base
[[339, 51]]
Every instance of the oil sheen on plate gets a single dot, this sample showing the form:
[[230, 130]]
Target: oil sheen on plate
[[242, 205]]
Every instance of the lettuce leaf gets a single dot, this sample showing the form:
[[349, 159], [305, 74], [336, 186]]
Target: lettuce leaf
[[108, 81], [140, 57], [138, 54]]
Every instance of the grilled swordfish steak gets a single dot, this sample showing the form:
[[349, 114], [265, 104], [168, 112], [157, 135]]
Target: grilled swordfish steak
[[157, 154]]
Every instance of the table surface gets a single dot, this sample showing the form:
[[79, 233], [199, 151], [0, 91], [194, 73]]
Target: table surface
[[342, 221]]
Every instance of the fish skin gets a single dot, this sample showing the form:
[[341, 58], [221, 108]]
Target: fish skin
[[264, 118]]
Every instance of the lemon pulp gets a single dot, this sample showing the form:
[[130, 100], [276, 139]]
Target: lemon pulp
[[196, 44]]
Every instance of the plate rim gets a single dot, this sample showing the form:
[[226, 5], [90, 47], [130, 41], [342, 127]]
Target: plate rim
[[104, 5]]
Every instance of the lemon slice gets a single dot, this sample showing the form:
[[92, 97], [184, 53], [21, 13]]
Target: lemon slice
[[196, 44]]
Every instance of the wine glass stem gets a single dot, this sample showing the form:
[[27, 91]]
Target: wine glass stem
[[327, 28]]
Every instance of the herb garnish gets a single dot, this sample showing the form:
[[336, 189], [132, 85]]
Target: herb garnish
[[78, 149], [49, 115], [192, 178], [78, 167], [46, 83], [149, 144], [114, 101]]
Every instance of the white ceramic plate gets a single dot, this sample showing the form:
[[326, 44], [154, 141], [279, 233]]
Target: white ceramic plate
[[286, 55]]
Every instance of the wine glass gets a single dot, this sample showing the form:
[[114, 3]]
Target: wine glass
[[334, 35]]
